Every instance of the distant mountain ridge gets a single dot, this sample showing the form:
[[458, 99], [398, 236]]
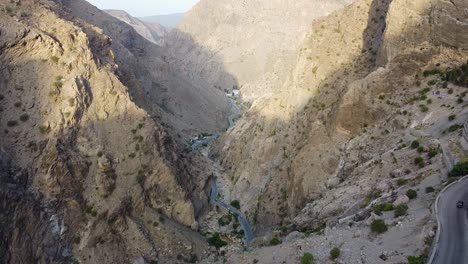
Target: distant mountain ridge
[[151, 31], [168, 21]]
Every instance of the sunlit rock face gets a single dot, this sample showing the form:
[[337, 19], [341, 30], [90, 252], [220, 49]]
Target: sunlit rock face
[[414, 22]]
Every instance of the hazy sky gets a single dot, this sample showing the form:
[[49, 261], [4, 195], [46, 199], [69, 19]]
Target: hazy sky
[[140, 8]]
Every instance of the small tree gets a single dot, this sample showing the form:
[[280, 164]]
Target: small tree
[[216, 241], [411, 194], [335, 253], [236, 204], [460, 169], [307, 258], [401, 210], [378, 226], [415, 144], [429, 189]]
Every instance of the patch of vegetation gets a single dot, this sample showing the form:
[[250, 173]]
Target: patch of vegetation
[[423, 108], [417, 259], [428, 73], [379, 226], [307, 258], [275, 241], [458, 76], [335, 253], [411, 194], [216, 241], [236, 204], [452, 117], [401, 181], [24, 117], [454, 128], [432, 153], [420, 149], [91, 211], [55, 59], [460, 169], [373, 194], [58, 84], [415, 144], [401, 210], [140, 179], [17, 104], [429, 189], [383, 207], [420, 162], [12, 123], [44, 130]]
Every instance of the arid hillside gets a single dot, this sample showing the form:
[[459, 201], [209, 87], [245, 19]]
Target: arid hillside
[[94, 168]]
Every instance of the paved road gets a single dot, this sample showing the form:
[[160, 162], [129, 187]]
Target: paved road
[[249, 236], [453, 243]]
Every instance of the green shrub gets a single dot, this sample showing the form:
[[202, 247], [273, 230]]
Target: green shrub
[[58, 84], [384, 207], [401, 210], [44, 129], [411, 194], [275, 241], [452, 117], [420, 149], [216, 241], [454, 128], [417, 259], [428, 73], [432, 153], [335, 253], [415, 144], [459, 100], [54, 59], [24, 117], [420, 162], [141, 178], [460, 169], [12, 123], [379, 226], [429, 189], [307, 258], [423, 108], [401, 181], [236, 204]]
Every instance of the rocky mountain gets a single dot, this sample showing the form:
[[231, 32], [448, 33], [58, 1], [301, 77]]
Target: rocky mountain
[[336, 93], [353, 116], [94, 164], [153, 32], [169, 21]]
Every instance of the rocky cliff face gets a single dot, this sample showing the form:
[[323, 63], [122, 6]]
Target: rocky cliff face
[[253, 42], [293, 145], [92, 170], [153, 32]]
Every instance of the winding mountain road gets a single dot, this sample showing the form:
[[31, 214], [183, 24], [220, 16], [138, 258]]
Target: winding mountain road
[[249, 236], [452, 244]]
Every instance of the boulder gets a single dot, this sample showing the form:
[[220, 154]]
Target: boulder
[[402, 199]]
